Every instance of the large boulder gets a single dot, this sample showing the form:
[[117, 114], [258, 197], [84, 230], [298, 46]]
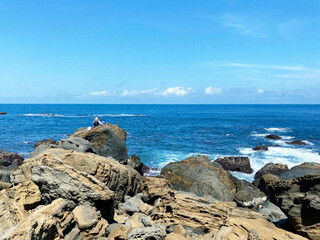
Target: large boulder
[[300, 170], [84, 178], [197, 175], [7, 158], [271, 168], [239, 164], [107, 140], [299, 199]]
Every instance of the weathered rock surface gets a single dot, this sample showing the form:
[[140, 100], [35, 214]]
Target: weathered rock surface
[[300, 170], [273, 137], [156, 232], [239, 164], [299, 199], [7, 158], [135, 163], [107, 140], [197, 175], [297, 142], [44, 142], [260, 148], [271, 168]]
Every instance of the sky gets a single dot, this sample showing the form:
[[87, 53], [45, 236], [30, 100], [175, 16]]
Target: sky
[[182, 51]]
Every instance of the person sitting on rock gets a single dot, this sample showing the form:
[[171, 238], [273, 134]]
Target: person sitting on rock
[[96, 122]]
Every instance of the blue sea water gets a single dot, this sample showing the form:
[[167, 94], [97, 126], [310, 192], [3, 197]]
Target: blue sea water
[[160, 134]]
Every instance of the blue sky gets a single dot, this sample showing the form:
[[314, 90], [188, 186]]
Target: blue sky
[[108, 51]]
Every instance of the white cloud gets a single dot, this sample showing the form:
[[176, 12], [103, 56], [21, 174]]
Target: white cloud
[[242, 25], [136, 92], [255, 66], [99, 94], [178, 91], [213, 91], [260, 91]]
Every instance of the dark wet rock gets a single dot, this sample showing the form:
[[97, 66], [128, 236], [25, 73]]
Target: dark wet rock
[[239, 164], [273, 212], [7, 158], [44, 142], [106, 140], [197, 175], [271, 168], [135, 163], [273, 137], [260, 148], [3, 113], [276, 145], [297, 142], [303, 169], [299, 199]]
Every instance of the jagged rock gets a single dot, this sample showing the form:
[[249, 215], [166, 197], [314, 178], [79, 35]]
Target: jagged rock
[[297, 142], [135, 163], [132, 204], [239, 164], [44, 142], [27, 195], [156, 232], [7, 158], [260, 148], [300, 170], [273, 212], [299, 199], [271, 168], [119, 233], [273, 137], [197, 175], [107, 140]]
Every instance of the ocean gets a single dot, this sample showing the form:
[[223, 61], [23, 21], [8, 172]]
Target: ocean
[[160, 134]]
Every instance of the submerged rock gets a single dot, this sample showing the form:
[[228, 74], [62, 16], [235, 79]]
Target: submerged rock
[[297, 142], [239, 164], [271, 168], [273, 137], [260, 148]]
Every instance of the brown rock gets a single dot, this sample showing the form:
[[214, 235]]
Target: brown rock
[[239, 164], [85, 216], [119, 233], [146, 208], [7, 158], [178, 229], [27, 195], [174, 236], [5, 185]]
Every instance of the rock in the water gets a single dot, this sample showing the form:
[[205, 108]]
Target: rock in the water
[[44, 142], [239, 164], [156, 232], [271, 168], [3, 113], [107, 140], [299, 199], [197, 175], [260, 148], [297, 142], [273, 137], [7, 158], [300, 170]]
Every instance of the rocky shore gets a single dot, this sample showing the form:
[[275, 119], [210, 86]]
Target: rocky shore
[[87, 187]]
